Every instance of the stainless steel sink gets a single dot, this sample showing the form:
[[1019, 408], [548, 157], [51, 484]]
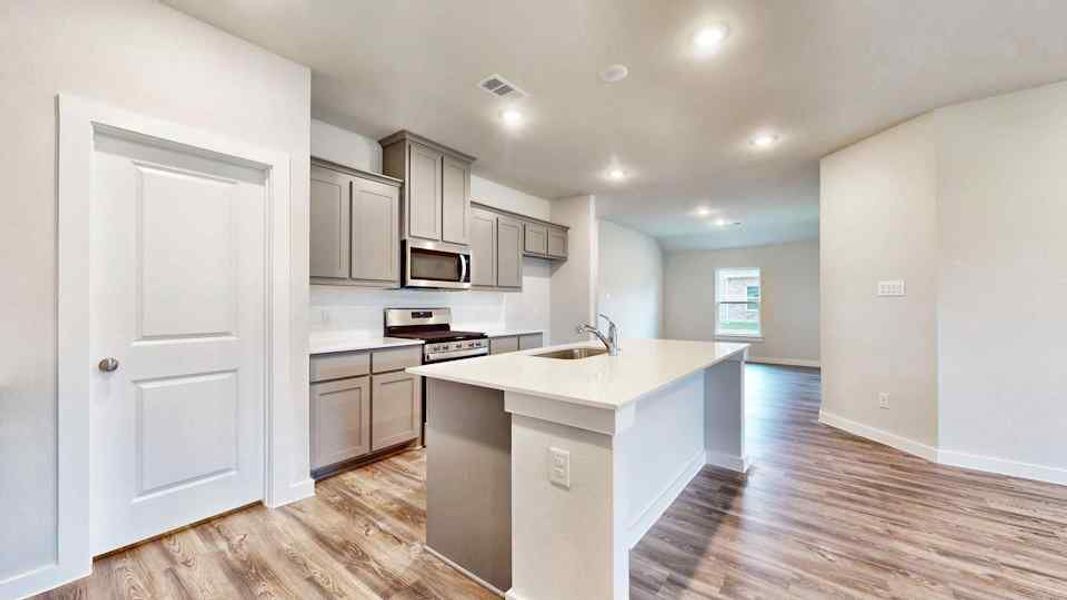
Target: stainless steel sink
[[573, 353]]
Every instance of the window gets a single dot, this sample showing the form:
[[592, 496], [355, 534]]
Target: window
[[737, 297]]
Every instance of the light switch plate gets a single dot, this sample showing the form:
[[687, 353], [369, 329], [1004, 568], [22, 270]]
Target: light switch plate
[[892, 287], [559, 467]]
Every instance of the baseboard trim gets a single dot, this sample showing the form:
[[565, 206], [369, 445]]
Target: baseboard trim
[[1002, 466], [785, 362], [731, 462], [485, 584], [662, 502], [879, 435], [40, 579]]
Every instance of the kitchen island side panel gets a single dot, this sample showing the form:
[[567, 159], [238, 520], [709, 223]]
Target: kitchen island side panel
[[468, 479]]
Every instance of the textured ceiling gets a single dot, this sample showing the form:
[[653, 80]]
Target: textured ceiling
[[822, 73]]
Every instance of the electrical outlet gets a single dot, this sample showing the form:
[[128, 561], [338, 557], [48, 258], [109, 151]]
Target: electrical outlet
[[559, 467], [883, 399]]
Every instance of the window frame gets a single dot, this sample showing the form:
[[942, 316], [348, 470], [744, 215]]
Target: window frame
[[720, 275]]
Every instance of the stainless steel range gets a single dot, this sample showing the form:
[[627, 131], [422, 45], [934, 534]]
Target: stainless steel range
[[434, 326]]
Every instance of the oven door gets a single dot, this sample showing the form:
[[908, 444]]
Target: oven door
[[436, 265]]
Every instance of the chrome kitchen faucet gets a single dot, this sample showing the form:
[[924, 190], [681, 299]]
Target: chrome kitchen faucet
[[610, 341]]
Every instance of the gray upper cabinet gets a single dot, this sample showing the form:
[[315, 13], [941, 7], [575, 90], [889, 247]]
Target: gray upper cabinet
[[557, 242], [423, 191], [354, 227], [483, 248], [375, 234], [535, 239], [455, 200], [509, 253], [435, 201], [329, 222]]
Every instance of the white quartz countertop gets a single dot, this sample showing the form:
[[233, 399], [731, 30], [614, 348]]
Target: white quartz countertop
[[642, 367], [497, 333], [323, 342]]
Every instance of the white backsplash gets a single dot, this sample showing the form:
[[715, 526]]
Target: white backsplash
[[338, 308]]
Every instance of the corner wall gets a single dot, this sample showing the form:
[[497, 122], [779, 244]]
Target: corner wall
[[630, 285], [967, 204], [574, 280]]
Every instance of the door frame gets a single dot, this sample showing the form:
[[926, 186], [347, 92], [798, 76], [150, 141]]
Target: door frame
[[78, 121]]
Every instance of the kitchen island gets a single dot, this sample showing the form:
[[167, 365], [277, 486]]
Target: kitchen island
[[543, 472]]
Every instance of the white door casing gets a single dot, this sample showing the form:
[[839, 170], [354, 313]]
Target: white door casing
[[286, 474], [177, 263]]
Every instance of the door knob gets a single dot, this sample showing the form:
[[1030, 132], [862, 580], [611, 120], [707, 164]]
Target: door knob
[[108, 364]]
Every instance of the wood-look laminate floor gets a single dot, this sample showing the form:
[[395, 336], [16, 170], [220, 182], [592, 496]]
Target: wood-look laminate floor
[[822, 514]]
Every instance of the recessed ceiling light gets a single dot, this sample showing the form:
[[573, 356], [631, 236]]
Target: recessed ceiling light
[[710, 38], [720, 222], [616, 174], [702, 211], [726, 223], [512, 117], [764, 140], [614, 73]]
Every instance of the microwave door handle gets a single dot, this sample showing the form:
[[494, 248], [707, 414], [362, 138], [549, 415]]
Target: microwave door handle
[[464, 259]]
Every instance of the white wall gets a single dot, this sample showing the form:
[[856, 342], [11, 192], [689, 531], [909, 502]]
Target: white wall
[[967, 205], [1002, 167], [879, 221], [630, 285], [790, 313], [574, 281], [360, 310], [143, 57]]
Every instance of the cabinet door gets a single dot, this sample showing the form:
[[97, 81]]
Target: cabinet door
[[329, 223], [396, 415], [375, 236], [483, 248], [503, 345], [535, 239], [508, 253], [423, 192], [340, 420], [530, 340], [455, 200], [557, 242]]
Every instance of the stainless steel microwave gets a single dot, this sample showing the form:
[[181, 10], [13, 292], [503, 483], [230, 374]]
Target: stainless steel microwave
[[436, 265]]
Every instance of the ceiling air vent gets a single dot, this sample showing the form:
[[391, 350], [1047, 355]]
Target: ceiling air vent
[[501, 88]]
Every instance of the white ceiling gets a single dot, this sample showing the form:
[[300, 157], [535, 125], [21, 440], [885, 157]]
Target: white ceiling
[[822, 73]]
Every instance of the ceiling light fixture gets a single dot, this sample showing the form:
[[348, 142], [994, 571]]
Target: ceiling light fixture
[[614, 73], [764, 140], [723, 223], [710, 38], [702, 211], [512, 117], [616, 174]]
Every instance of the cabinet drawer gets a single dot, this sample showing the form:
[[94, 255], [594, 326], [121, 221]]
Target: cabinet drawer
[[530, 340], [395, 359], [502, 345], [336, 366]]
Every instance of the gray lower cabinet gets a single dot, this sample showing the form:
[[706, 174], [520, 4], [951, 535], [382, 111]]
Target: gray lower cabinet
[[535, 239], [396, 414], [354, 236], [530, 340], [502, 345], [483, 246], [340, 420]]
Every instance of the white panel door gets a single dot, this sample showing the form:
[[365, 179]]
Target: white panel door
[[177, 273]]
